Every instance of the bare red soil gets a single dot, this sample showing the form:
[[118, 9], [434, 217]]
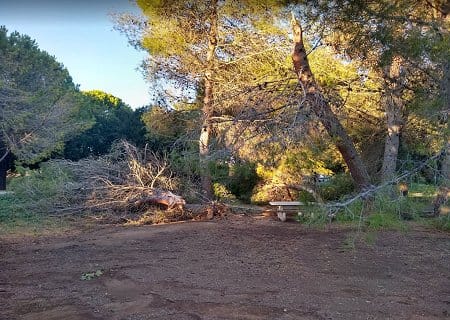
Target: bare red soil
[[240, 268]]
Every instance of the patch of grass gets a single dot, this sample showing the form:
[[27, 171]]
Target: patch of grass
[[358, 237], [312, 215], [37, 226], [384, 221], [441, 223], [349, 243], [370, 238]]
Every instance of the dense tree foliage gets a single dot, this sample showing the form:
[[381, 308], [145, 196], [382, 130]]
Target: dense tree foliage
[[198, 46], [403, 43], [111, 120], [38, 101]]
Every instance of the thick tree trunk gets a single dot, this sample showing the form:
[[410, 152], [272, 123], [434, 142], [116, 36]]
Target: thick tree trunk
[[160, 197], [204, 141], [322, 109], [394, 108]]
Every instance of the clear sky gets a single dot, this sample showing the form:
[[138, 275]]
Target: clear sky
[[80, 35]]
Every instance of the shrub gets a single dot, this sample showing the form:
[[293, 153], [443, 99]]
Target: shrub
[[222, 193], [34, 194], [39, 190], [243, 179], [7, 207], [339, 185]]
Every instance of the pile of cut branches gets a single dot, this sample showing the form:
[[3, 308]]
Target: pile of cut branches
[[126, 180]]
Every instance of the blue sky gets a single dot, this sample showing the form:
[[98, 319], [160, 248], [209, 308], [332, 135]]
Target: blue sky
[[80, 35]]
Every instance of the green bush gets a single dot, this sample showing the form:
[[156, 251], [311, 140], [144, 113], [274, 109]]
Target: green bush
[[34, 194], [313, 215], [243, 178], [338, 186], [40, 188], [305, 197], [222, 193]]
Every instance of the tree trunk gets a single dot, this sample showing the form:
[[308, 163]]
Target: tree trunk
[[204, 145], [3, 171], [394, 108], [160, 197], [4, 165], [322, 109], [444, 189]]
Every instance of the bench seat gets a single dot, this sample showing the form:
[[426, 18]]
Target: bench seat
[[284, 206]]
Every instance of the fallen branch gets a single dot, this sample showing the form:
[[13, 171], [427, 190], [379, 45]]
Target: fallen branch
[[126, 180], [371, 191]]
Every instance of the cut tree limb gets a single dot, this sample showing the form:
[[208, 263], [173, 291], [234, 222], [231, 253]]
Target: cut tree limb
[[159, 197]]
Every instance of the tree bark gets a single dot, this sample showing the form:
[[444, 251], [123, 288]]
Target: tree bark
[[444, 188], [394, 119], [322, 109], [160, 197], [4, 165], [204, 141]]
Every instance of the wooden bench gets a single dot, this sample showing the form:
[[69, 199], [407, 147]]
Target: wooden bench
[[284, 206]]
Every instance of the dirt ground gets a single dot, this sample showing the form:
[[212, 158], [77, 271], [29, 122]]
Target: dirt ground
[[239, 268]]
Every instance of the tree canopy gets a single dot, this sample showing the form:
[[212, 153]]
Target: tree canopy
[[38, 100], [110, 120]]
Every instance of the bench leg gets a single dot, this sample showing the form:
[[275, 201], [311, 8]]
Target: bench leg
[[281, 214]]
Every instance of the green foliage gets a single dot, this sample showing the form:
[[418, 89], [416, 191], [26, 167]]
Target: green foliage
[[167, 129], [91, 275], [237, 179], [242, 180], [305, 197], [7, 207], [338, 186], [112, 120], [103, 100], [38, 98], [37, 190], [185, 163], [389, 211], [222, 193], [384, 221], [313, 215], [26, 208], [441, 223]]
